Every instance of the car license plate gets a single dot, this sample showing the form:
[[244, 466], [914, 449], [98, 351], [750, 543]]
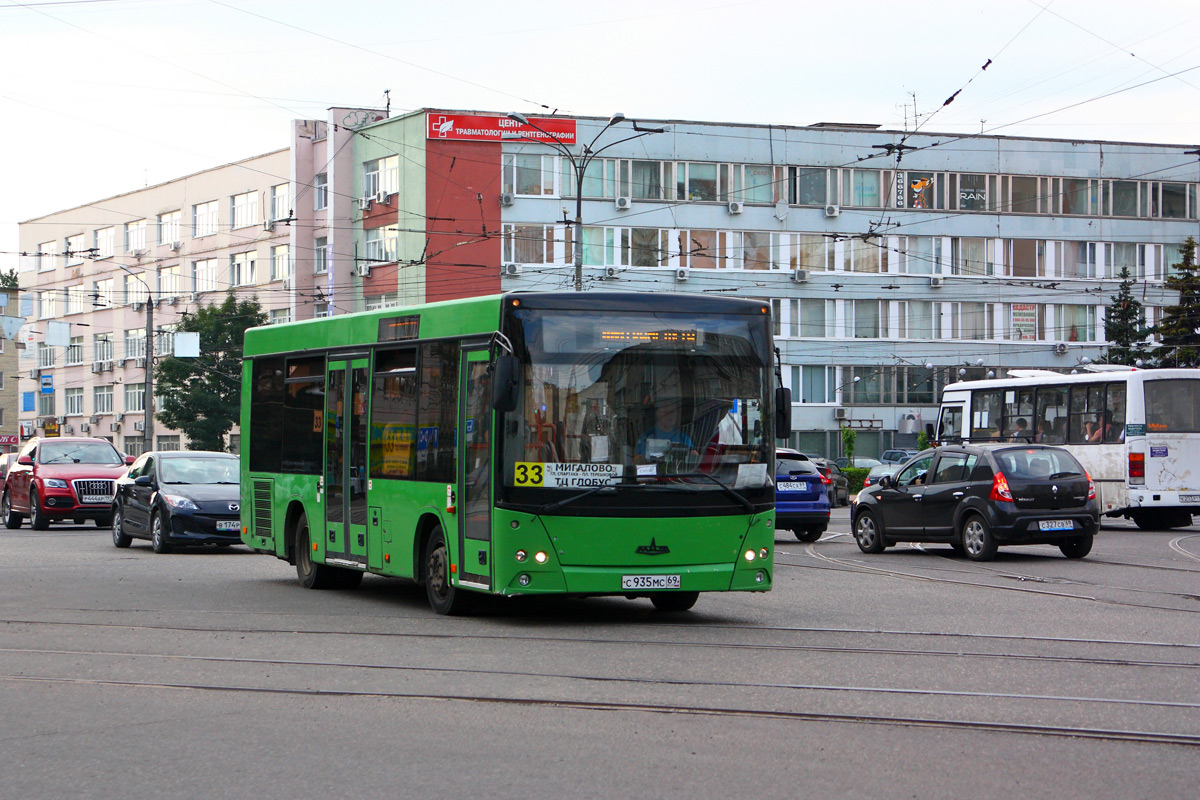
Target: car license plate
[[649, 581], [228, 524], [1189, 498], [96, 499], [793, 486], [1056, 525]]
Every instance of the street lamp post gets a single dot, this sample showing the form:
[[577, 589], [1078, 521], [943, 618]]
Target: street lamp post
[[148, 425], [579, 165]]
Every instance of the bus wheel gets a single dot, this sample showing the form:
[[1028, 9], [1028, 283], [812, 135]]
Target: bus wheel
[[312, 576], [674, 601], [977, 539], [1076, 546], [444, 597], [1147, 520]]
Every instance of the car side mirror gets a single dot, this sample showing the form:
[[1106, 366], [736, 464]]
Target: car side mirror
[[505, 384], [144, 480], [26, 460], [130, 459], [885, 482]]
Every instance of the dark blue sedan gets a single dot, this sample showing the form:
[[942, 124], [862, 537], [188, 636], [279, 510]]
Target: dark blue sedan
[[801, 496]]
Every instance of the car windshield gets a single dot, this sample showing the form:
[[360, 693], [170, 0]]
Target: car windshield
[[1033, 464], [97, 452], [198, 470], [788, 466]]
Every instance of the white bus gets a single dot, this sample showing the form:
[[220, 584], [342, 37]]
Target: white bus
[[1137, 432]]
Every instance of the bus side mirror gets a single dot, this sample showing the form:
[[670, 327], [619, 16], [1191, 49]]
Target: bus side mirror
[[783, 412], [505, 384], [929, 431]]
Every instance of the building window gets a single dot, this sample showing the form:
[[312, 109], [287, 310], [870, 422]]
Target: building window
[[204, 218], [135, 397], [530, 174], [136, 290], [45, 403], [529, 244], [135, 236], [102, 294], [135, 343], [320, 255], [320, 310], [46, 305], [73, 401], [281, 201], [697, 181], [75, 248], [382, 243], [75, 351], [135, 445], [278, 315], [281, 264], [814, 384], [204, 275], [381, 175], [809, 186], [76, 299], [1076, 323], [243, 209], [242, 269], [102, 347], [106, 242], [170, 281], [168, 442], [45, 355], [169, 227], [102, 399], [320, 192]]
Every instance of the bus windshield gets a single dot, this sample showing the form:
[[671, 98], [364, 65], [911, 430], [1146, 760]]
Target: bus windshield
[[1173, 406], [610, 396]]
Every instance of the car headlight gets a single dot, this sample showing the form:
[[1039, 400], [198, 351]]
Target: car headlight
[[55, 483], [179, 502]]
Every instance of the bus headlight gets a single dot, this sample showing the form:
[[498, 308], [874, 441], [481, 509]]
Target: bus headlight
[[540, 557], [749, 555]]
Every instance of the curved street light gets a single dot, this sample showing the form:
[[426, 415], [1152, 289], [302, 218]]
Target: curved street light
[[579, 165], [148, 433]]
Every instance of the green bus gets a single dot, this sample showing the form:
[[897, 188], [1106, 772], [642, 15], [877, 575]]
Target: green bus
[[520, 444]]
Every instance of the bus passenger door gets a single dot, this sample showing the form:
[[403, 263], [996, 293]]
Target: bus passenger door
[[475, 469], [345, 470]]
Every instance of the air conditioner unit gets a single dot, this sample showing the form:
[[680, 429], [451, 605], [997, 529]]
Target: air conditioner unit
[[139, 426], [95, 366], [624, 203], [287, 281], [68, 429], [115, 427], [381, 197], [94, 419], [610, 273], [364, 203], [1060, 348], [138, 253], [510, 269], [176, 246], [936, 281], [137, 306], [362, 269], [832, 211], [681, 274], [800, 275], [118, 417], [507, 198], [140, 363], [33, 374], [61, 420], [735, 207], [106, 366], [269, 225], [193, 297], [172, 299], [85, 427], [839, 413]]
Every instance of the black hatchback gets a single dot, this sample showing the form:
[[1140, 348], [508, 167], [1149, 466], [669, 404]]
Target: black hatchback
[[979, 498], [182, 497]]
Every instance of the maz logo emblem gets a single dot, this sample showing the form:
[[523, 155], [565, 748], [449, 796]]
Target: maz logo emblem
[[234, 507], [652, 549]]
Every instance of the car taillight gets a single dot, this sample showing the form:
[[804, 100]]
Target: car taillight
[[1000, 489], [1091, 486], [825, 479], [1137, 468]]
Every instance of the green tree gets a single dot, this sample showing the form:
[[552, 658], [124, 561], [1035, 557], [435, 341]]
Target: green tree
[[202, 396], [849, 437], [1125, 324], [1179, 328], [9, 280]]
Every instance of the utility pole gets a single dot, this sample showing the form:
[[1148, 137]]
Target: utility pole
[[149, 423]]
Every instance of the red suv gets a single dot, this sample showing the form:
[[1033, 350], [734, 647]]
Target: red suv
[[59, 479]]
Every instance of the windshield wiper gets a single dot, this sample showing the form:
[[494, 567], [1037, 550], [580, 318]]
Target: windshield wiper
[[546, 509], [729, 490]]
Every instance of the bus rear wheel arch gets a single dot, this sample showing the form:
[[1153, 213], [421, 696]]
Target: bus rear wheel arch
[[319, 576]]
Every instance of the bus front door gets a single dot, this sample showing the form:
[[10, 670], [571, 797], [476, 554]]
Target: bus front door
[[475, 473], [345, 475]]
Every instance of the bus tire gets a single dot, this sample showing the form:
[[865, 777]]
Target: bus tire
[[11, 518], [311, 575], [444, 596], [867, 534], [977, 539], [674, 601], [1076, 546], [808, 534], [1147, 520]]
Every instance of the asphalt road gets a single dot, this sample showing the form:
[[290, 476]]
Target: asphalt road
[[911, 673]]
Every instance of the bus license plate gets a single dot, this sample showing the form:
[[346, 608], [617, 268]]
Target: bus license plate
[[649, 581], [1189, 498], [1056, 525], [95, 499], [228, 524]]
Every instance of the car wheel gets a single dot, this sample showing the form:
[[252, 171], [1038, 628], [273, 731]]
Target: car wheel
[[118, 529], [1077, 546], [103, 522], [846, 498], [808, 534], [867, 533], [674, 601], [444, 597], [158, 534], [977, 539], [11, 518], [37, 518]]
